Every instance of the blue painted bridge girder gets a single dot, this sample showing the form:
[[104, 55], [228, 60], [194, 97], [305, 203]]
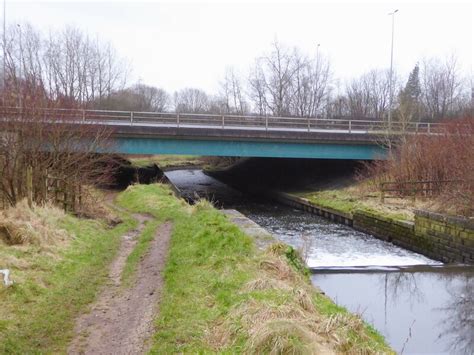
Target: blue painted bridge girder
[[250, 148]]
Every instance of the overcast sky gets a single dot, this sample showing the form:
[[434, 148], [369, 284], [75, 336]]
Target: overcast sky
[[178, 44]]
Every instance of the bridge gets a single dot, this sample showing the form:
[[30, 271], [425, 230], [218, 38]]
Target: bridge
[[234, 135]]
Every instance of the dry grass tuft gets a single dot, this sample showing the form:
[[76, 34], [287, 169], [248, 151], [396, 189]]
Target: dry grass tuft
[[202, 204], [278, 268], [265, 283], [304, 300], [276, 249], [284, 336], [253, 313], [10, 261], [92, 206], [22, 225]]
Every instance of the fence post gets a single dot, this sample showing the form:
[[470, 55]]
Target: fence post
[[223, 122], [266, 123], [56, 191], [350, 126], [131, 118], [83, 116], [46, 185], [80, 196], [382, 193], [309, 125], [29, 185], [429, 127], [177, 120]]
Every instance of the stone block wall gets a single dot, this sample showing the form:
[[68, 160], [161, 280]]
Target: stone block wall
[[306, 205], [444, 238], [401, 233], [452, 238]]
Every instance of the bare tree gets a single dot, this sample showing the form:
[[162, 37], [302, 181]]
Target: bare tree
[[55, 145], [66, 64], [257, 89], [442, 87], [310, 85], [271, 82], [231, 94], [151, 98], [191, 100], [368, 96], [139, 97]]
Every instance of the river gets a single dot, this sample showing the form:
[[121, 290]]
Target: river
[[418, 304]]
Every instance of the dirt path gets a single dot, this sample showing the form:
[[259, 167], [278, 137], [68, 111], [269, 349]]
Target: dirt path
[[121, 320]]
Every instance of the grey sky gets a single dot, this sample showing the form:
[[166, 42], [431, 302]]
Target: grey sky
[[178, 44]]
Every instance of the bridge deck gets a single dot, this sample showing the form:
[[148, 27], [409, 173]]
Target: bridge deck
[[231, 135]]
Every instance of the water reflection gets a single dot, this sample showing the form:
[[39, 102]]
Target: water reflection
[[419, 312], [398, 284], [458, 325]]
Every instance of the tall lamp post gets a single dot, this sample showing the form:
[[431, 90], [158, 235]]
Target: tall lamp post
[[390, 79], [317, 73]]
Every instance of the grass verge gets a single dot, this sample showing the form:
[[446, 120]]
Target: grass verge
[[167, 161], [223, 295], [350, 199], [54, 283]]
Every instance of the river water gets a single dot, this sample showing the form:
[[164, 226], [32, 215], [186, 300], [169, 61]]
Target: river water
[[418, 304]]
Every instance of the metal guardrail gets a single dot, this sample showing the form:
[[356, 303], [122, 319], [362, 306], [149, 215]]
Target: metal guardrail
[[172, 119]]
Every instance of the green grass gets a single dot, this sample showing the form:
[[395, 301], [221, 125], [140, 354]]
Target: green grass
[[345, 201], [38, 312], [336, 199], [167, 161], [210, 263]]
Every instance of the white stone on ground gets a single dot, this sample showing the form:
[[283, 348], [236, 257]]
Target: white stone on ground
[[6, 277]]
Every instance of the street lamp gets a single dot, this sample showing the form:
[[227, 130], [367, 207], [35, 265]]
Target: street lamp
[[391, 72]]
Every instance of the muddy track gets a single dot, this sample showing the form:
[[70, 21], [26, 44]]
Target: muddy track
[[121, 320]]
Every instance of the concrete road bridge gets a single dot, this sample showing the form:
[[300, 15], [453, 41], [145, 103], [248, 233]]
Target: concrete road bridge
[[242, 136]]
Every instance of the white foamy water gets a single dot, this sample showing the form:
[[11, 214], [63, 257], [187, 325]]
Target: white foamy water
[[327, 244]]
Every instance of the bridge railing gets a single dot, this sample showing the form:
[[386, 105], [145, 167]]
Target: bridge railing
[[172, 119]]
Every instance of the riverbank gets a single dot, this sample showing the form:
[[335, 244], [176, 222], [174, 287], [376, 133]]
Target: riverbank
[[220, 293]]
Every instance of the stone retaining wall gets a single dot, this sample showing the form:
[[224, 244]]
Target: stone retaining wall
[[306, 205], [452, 238], [401, 233], [444, 238]]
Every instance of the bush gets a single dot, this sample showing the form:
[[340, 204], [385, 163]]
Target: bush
[[444, 157]]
